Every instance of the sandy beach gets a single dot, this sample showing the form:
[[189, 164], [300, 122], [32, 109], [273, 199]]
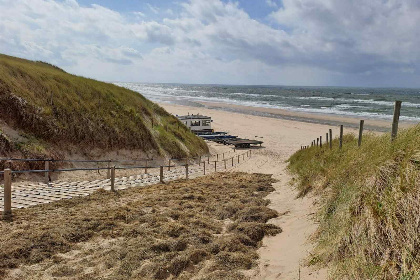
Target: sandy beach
[[282, 256], [326, 119]]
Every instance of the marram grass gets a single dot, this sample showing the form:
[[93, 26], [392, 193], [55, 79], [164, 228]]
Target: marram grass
[[370, 215], [49, 107]]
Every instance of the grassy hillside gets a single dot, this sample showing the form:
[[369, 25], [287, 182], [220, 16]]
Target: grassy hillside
[[53, 110], [370, 219]]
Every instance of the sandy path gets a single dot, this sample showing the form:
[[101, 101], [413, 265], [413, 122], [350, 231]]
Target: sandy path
[[281, 256]]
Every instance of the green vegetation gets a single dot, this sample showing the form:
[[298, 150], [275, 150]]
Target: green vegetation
[[369, 222], [58, 109]]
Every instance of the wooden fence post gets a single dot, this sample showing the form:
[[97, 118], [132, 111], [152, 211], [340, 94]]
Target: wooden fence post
[[238, 158], [341, 136], [204, 167], [208, 160], [199, 161], [7, 211], [330, 138], [243, 156], [317, 142], [396, 118], [161, 174], [108, 171], [47, 173], [113, 178], [169, 165], [223, 155], [186, 171], [145, 169], [320, 141], [232, 161], [215, 166], [225, 163], [217, 157], [360, 132], [326, 137]]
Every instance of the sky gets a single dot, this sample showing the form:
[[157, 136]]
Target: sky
[[259, 42]]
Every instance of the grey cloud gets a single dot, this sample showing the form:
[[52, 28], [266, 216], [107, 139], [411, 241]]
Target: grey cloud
[[361, 35], [119, 61], [159, 33]]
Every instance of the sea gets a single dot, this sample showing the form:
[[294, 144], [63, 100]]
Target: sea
[[370, 103]]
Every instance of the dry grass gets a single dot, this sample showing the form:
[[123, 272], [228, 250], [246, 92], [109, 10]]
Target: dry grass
[[207, 228], [370, 222]]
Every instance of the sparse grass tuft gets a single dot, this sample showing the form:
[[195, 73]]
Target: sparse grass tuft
[[370, 226]]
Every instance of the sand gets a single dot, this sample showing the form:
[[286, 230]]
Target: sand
[[282, 256]]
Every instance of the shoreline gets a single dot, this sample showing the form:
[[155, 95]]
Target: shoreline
[[378, 125]]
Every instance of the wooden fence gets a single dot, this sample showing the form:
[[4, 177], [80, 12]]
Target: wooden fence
[[318, 142], [111, 170]]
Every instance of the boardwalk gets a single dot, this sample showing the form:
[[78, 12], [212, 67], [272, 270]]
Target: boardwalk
[[29, 194], [38, 193]]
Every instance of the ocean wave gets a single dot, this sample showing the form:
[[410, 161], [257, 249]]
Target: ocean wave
[[363, 101], [349, 107]]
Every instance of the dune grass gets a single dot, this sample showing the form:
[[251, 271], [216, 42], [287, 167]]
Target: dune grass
[[370, 219], [59, 109], [206, 228]]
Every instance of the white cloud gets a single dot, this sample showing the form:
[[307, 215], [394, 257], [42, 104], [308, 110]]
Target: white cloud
[[139, 14], [271, 3], [154, 9], [315, 41], [55, 27]]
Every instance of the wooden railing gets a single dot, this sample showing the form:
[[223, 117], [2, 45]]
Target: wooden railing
[[111, 170]]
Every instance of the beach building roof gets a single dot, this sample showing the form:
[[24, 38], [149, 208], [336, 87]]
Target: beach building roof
[[191, 117]]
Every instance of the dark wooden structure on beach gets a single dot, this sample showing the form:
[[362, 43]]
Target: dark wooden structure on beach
[[243, 143]]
